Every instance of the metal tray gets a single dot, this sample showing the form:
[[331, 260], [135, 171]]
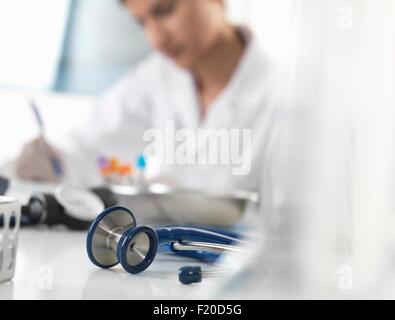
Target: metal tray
[[158, 203]]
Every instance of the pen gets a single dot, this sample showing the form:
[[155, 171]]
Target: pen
[[55, 163]]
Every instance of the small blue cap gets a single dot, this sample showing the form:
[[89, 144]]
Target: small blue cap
[[141, 162], [188, 275]]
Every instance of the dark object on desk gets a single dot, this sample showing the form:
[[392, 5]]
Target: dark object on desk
[[106, 195], [46, 209], [4, 183], [189, 274]]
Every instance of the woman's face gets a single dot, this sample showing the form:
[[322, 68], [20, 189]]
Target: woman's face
[[183, 30]]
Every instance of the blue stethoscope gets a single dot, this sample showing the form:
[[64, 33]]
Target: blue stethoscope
[[114, 237]]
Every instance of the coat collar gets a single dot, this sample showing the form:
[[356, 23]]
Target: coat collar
[[244, 89]]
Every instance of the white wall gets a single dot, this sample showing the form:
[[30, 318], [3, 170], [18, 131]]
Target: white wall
[[31, 34], [17, 123], [103, 43]]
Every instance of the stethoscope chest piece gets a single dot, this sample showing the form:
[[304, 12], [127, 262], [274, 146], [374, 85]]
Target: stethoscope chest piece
[[115, 238]]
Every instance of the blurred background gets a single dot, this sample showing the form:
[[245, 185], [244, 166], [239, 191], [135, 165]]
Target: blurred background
[[67, 52], [77, 46], [81, 46]]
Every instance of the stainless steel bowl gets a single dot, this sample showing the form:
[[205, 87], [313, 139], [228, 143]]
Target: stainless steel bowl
[[159, 203]]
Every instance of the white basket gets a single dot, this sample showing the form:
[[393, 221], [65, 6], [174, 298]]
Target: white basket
[[10, 215]]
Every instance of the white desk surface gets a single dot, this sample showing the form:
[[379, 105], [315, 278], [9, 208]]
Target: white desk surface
[[54, 265]]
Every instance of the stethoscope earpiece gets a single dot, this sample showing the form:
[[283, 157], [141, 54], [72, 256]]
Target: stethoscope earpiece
[[189, 275], [195, 274]]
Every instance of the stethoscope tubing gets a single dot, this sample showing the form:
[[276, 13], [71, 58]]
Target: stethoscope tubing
[[170, 239], [177, 234]]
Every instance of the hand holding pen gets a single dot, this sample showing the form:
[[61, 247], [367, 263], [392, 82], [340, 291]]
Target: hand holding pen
[[55, 163], [38, 160]]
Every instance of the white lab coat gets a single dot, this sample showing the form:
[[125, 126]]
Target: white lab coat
[[156, 92]]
